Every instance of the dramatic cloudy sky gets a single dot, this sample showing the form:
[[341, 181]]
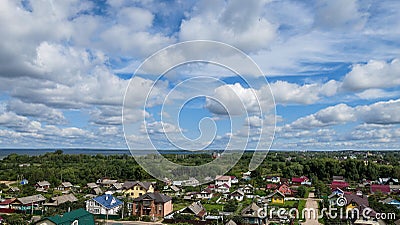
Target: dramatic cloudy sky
[[333, 68]]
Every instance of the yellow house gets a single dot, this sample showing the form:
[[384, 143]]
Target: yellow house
[[135, 189], [355, 201], [277, 198]]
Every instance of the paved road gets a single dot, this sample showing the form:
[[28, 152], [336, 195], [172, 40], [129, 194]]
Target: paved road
[[311, 203]]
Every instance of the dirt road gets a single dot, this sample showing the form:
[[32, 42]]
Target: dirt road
[[312, 203]]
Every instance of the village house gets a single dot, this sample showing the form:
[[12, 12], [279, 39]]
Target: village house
[[172, 190], [388, 181], [196, 209], [224, 188], [6, 204], [339, 184], [65, 187], [273, 179], [238, 195], [234, 180], [221, 180], [29, 202], [152, 204], [276, 198], [75, 217], [253, 214], [271, 187], [380, 188], [248, 189], [135, 189], [42, 186], [116, 188], [286, 190], [205, 194], [92, 185], [104, 205], [391, 201], [58, 200], [106, 182], [303, 180]]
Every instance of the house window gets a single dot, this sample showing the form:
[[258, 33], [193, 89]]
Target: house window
[[96, 211]]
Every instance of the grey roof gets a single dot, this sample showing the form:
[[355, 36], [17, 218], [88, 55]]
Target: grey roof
[[175, 188], [62, 199], [14, 189], [66, 184], [231, 222], [31, 199], [43, 183], [92, 185], [157, 197], [118, 186], [196, 208], [130, 184], [251, 210], [98, 191], [108, 182]]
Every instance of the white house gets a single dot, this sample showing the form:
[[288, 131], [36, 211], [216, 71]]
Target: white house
[[224, 188], [223, 180], [104, 205]]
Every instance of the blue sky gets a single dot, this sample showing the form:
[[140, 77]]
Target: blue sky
[[333, 68]]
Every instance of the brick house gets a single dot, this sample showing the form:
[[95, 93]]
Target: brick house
[[152, 204]]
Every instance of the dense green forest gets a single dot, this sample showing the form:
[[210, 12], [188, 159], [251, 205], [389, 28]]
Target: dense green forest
[[81, 169]]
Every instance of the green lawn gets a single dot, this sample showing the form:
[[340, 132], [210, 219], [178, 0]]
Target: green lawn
[[210, 206], [302, 204]]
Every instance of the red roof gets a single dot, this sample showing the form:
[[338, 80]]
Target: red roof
[[7, 201], [380, 188], [272, 186], [299, 179], [339, 184]]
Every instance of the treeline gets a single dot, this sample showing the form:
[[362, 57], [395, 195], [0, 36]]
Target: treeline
[[81, 169], [77, 169]]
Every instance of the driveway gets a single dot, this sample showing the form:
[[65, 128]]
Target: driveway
[[311, 203]]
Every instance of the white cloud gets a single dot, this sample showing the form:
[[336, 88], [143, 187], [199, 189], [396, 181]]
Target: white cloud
[[339, 14], [376, 113], [241, 25], [233, 100], [374, 74], [285, 92], [40, 111], [377, 94]]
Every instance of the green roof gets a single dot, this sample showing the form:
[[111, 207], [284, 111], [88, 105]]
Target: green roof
[[83, 216]]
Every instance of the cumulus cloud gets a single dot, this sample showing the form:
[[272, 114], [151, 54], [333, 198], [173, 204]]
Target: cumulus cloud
[[285, 92], [374, 74], [376, 113], [241, 25], [39, 111], [233, 100]]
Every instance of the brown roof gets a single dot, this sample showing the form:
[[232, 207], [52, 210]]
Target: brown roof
[[157, 197], [356, 199]]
